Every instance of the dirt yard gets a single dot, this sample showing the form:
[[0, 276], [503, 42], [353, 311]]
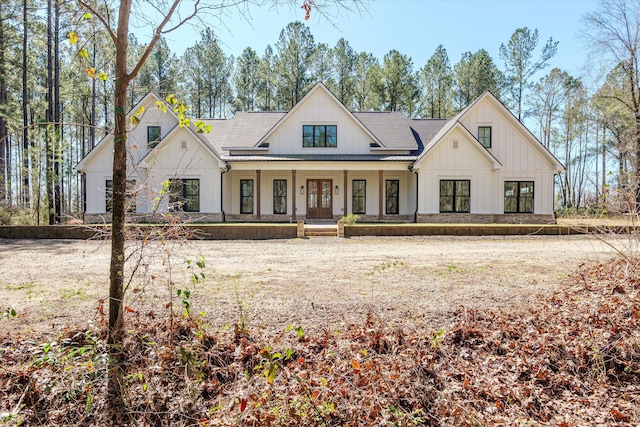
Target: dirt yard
[[316, 282]]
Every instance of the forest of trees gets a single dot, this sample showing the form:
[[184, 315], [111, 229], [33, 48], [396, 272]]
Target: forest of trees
[[56, 99]]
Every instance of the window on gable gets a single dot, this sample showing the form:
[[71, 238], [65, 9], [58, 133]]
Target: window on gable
[[130, 198], [246, 196], [455, 196], [153, 136], [359, 196], [518, 197], [184, 195], [319, 136], [279, 196], [484, 136], [392, 196]]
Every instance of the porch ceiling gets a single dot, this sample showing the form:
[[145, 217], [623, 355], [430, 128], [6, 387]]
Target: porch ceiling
[[389, 165]]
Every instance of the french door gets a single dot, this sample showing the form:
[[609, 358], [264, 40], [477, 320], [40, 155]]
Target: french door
[[319, 199]]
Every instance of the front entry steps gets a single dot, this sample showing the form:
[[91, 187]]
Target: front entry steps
[[319, 230]]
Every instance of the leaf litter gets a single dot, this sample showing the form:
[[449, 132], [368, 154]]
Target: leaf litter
[[571, 357]]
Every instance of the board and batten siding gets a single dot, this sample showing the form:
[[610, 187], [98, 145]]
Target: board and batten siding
[[184, 157], [522, 158], [319, 109], [464, 162]]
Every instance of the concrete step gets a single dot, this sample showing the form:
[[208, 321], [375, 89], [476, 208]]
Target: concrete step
[[320, 231]]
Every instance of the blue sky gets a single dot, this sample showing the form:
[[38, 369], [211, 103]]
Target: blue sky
[[414, 28]]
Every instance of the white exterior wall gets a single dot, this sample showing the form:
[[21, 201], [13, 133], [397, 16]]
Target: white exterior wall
[[319, 109], [465, 162], [172, 161], [137, 142], [101, 171], [522, 159]]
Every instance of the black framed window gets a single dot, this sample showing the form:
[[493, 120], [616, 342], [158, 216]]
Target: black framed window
[[153, 136], [484, 136], [279, 196], [246, 196], [130, 200], [184, 195], [319, 136], [455, 196], [359, 196], [392, 196], [518, 197]]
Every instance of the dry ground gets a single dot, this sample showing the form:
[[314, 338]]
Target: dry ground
[[316, 282]]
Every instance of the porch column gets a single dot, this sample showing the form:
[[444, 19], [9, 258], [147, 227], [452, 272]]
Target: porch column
[[344, 190], [257, 194], [294, 194], [380, 193]]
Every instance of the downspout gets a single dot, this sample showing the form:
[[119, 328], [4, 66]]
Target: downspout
[[225, 170], [83, 184], [415, 214]]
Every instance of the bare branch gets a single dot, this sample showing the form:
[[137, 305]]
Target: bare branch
[[98, 15]]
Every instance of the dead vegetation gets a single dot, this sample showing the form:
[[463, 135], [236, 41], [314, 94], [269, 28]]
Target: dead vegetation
[[571, 357]]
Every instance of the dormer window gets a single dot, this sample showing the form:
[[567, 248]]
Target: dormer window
[[153, 136], [319, 136], [484, 136]]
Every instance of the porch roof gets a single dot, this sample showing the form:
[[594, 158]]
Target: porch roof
[[320, 158]]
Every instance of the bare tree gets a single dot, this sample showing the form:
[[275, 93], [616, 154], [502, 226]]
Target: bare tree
[[171, 16], [612, 33]]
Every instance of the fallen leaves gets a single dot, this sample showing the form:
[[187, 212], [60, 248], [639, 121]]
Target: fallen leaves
[[571, 358]]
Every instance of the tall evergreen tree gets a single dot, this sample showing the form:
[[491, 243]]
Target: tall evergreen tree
[[293, 60], [344, 62], [436, 80], [321, 69], [397, 88], [474, 74], [521, 66], [267, 81], [366, 85], [9, 43], [246, 80]]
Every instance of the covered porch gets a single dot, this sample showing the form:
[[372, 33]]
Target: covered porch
[[288, 191]]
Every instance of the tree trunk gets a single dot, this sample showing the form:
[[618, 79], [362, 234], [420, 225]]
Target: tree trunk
[[57, 147], [4, 140], [49, 140], [25, 110], [92, 120], [116, 276]]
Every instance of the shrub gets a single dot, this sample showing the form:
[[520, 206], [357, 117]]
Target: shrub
[[350, 219]]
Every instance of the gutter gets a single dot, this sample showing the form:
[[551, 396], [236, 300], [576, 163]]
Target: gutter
[[415, 214], [226, 169]]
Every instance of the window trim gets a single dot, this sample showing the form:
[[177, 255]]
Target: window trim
[[354, 196], [314, 142], [484, 137], [279, 197], [387, 197], [182, 194], [519, 197], [152, 143], [243, 197], [454, 197]]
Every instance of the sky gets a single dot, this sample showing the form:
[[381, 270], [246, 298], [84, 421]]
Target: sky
[[413, 27]]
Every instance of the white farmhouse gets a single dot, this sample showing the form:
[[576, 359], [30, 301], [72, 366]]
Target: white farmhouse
[[321, 161]]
